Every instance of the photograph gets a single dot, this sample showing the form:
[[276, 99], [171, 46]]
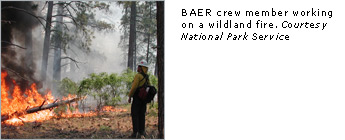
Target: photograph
[[82, 70]]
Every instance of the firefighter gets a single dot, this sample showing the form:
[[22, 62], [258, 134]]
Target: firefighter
[[138, 108]]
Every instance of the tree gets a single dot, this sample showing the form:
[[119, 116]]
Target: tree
[[46, 43], [146, 29], [132, 36], [145, 33], [83, 23], [148, 34], [160, 61], [57, 47], [29, 54], [123, 44]]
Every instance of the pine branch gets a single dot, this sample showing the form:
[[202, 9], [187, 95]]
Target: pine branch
[[13, 44], [63, 23], [71, 6], [44, 5], [67, 4], [75, 61], [70, 13]]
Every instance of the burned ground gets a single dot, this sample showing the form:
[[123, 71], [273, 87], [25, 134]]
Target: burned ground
[[107, 125]]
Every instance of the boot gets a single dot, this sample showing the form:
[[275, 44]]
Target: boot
[[134, 135]]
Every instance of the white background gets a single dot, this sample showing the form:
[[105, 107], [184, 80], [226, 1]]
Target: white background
[[246, 90]]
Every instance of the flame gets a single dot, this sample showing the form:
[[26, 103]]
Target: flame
[[15, 104], [76, 112], [112, 109], [22, 101]]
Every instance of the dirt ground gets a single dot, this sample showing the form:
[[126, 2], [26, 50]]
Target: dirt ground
[[107, 125]]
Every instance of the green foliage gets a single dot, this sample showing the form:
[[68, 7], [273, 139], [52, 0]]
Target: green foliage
[[71, 108], [128, 77], [101, 5], [154, 81], [102, 25], [67, 86], [107, 89], [60, 109], [85, 86], [113, 101], [153, 105], [153, 109]]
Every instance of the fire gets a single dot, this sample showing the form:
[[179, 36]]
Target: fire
[[21, 101], [15, 104], [76, 112], [112, 109]]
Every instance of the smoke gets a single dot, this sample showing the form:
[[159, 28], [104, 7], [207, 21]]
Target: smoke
[[104, 55], [17, 23]]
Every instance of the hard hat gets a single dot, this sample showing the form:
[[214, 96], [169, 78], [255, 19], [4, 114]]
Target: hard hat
[[143, 63]]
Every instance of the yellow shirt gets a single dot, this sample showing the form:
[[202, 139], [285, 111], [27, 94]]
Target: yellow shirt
[[138, 81]]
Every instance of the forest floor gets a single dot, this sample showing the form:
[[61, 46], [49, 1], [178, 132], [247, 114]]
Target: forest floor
[[107, 125]]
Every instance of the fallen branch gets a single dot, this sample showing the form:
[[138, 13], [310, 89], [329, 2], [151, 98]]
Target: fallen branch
[[41, 107], [51, 105]]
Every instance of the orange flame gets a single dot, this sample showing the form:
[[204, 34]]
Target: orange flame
[[22, 101], [18, 102], [112, 109]]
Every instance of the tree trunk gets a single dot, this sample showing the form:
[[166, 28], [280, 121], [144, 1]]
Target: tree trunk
[[126, 35], [148, 37], [132, 35], [148, 48], [160, 61], [46, 43], [57, 48], [156, 68], [29, 54], [135, 56]]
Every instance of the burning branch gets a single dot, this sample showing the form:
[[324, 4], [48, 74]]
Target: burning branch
[[41, 107], [42, 104], [48, 106]]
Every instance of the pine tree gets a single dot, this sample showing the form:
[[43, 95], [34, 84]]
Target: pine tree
[[160, 60]]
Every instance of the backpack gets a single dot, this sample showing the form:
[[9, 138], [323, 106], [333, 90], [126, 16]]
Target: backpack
[[146, 92]]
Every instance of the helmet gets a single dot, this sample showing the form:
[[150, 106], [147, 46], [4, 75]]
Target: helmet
[[143, 63]]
